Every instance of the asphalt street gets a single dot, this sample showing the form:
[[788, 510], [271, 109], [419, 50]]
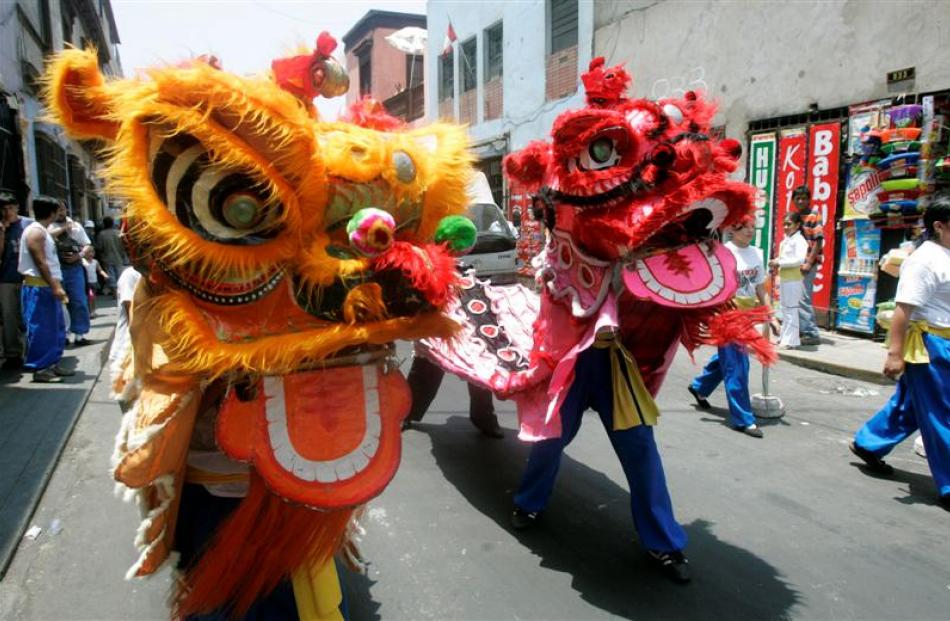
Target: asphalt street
[[786, 527]]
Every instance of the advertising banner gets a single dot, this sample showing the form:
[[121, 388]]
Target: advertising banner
[[824, 142], [762, 176], [857, 284], [791, 174]]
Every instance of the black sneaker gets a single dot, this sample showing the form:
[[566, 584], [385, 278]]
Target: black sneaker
[[700, 401], [874, 463], [62, 371], [46, 376], [673, 564], [751, 430], [523, 520]]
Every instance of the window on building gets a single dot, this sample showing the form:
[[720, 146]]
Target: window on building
[[496, 180], [366, 72], [493, 52], [66, 12], [562, 31], [446, 76], [414, 69], [468, 62], [51, 166]]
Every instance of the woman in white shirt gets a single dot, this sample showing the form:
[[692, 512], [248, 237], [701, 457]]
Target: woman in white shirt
[[791, 256]]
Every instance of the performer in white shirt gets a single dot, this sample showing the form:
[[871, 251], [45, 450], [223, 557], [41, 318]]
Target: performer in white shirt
[[919, 354], [42, 296], [730, 364]]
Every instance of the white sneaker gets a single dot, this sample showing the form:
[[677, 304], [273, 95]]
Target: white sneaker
[[919, 447]]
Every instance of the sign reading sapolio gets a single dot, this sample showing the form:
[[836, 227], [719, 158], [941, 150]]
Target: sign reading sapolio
[[762, 176], [824, 152]]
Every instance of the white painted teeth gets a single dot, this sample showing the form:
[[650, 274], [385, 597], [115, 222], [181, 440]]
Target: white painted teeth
[[715, 286], [339, 469]]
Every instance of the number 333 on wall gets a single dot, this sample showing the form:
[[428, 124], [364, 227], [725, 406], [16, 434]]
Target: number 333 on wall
[[676, 86]]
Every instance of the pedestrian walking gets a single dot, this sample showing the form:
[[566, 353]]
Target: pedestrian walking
[[111, 252], [12, 225], [730, 364], [71, 243], [42, 295], [919, 355], [94, 273], [424, 379], [792, 254], [812, 231]]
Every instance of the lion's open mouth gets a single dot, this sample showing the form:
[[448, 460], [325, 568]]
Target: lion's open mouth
[[683, 264], [327, 438]]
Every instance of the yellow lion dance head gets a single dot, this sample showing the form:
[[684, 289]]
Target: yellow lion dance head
[[270, 301]]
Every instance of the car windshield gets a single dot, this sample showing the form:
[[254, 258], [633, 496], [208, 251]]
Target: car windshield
[[489, 220]]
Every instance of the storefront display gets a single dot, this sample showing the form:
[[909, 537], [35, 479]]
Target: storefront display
[[857, 276], [895, 159], [762, 176], [824, 142]]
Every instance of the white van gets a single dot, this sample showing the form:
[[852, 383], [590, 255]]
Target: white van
[[494, 256]]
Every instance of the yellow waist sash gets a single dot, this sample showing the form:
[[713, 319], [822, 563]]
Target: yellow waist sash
[[35, 281], [915, 352], [790, 274], [633, 403], [743, 302]]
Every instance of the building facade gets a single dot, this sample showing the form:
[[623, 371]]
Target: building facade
[[37, 158], [376, 68], [513, 67], [809, 86]]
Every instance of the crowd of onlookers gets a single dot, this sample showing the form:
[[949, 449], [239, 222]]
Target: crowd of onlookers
[[51, 270]]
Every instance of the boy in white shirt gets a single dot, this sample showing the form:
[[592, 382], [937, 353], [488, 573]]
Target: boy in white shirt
[[730, 364]]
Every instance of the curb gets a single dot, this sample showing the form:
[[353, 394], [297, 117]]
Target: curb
[[834, 368]]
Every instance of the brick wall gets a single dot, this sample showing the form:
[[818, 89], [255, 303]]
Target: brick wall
[[560, 74], [446, 109], [494, 99], [468, 111]]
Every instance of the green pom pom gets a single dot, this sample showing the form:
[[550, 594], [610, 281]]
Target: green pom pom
[[457, 233]]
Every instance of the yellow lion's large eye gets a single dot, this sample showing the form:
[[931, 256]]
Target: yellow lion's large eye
[[230, 205], [242, 210], [221, 204]]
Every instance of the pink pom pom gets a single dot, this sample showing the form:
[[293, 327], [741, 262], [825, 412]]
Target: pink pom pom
[[371, 231]]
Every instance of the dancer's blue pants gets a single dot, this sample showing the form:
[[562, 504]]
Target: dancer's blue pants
[[45, 327], [74, 282], [635, 447], [729, 365], [921, 401]]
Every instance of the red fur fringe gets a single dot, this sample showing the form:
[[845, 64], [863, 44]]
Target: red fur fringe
[[725, 325], [433, 275], [260, 544], [528, 165], [371, 113]]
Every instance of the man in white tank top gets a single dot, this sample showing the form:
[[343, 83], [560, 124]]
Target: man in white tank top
[[42, 295]]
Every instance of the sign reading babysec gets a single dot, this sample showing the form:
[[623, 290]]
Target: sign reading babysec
[[762, 176], [823, 155]]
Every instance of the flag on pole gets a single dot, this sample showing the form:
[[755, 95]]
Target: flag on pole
[[450, 38]]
